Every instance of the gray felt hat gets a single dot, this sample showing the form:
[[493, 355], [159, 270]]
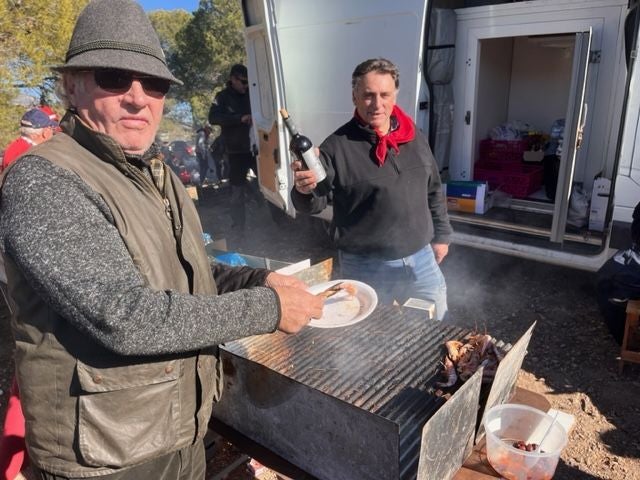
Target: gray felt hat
[[116, 34]]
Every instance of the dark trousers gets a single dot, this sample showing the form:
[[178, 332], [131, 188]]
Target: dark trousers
[[203, 166], [239, 165], [222, 167], [186, 464]]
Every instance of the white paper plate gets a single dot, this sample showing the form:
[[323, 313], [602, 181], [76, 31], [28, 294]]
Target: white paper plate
[[343, 309]]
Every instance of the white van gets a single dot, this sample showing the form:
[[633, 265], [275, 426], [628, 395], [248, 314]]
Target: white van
[[467, 68]]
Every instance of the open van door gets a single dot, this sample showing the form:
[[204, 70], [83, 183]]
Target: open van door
[[265, 88], [524, 67], [300, 57], [574, 130]]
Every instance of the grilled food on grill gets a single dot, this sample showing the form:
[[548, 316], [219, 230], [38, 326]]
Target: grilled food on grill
[[467, 356]]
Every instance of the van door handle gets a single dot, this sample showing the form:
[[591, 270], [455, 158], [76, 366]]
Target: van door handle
[[467, 117], [583, 122]]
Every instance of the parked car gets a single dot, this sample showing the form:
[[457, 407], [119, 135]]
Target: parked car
[[182, 150], [184, 162], [185, 176]]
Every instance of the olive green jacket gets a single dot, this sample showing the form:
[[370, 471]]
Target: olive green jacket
[[90, 411]]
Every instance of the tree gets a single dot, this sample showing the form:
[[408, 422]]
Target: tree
[[206, 48], [34, 36], [168, 23]]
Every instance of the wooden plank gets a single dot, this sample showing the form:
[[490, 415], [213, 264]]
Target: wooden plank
[[633, 306], [628, 351], [630, 356], [467, 474], [267, 157], [478, 462], [532, 399]]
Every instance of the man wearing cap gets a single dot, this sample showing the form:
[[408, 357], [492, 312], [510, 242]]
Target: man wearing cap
[[231, 109], [118, 312], [50, 112], [35, 127]]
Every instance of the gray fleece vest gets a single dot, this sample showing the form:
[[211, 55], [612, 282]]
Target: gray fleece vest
[[90, 411]]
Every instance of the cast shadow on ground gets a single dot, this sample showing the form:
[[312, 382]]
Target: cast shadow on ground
[[571, 350]]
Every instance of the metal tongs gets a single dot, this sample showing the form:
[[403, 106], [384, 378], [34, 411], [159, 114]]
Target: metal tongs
[[331, 291]]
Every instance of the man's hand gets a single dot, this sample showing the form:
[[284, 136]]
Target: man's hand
[[246, 119], [278, 280], [440, 251], [305, 180], [298, 308]]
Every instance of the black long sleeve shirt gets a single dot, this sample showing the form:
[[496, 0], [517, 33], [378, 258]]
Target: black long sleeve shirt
[[388, 211]]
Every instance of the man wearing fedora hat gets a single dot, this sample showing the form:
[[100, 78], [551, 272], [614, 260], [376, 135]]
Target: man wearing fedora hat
[[118, 312]]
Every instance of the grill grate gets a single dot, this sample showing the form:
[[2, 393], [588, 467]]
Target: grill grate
[[386, 365]]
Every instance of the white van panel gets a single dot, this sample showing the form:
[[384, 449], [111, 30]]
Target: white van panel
[[322, 42], [627, 187]]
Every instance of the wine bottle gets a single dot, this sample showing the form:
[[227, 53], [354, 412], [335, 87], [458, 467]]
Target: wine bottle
[[303, 149]]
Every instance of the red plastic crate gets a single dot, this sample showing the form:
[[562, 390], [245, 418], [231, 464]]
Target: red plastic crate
[[517, 179], [502, 150]]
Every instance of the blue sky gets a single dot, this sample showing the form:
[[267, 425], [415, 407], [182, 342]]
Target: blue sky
[[188, 5]]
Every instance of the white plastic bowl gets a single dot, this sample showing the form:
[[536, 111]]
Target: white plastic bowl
[[508, 423]]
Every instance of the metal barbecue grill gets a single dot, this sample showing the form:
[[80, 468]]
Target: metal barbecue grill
[[344, 403]]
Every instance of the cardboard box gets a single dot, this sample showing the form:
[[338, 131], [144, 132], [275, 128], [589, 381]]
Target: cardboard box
[[426, 305], [469, 197], [533, 156], [193, 192], [599, 201]]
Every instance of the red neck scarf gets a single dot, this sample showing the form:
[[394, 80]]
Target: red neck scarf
[[404, 132]]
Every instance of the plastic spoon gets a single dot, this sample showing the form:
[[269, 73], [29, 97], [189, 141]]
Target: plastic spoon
[[539, 447]]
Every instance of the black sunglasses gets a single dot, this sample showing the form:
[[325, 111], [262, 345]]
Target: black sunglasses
[[243, 81], [119, 81]]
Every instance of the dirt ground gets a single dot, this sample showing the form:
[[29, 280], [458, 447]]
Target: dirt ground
[[572, 359]]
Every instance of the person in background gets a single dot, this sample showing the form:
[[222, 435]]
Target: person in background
[[51, 114], [618, 281], [202, 151], [165, 150], [219, 157], [231, 109], [35, 127], [118, 312], [389, 211], [13, 452]]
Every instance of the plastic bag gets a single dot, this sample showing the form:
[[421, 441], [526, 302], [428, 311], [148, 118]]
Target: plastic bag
[[207, 238], [515, 130], [556, 137], [231, 258], [578, 214]]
